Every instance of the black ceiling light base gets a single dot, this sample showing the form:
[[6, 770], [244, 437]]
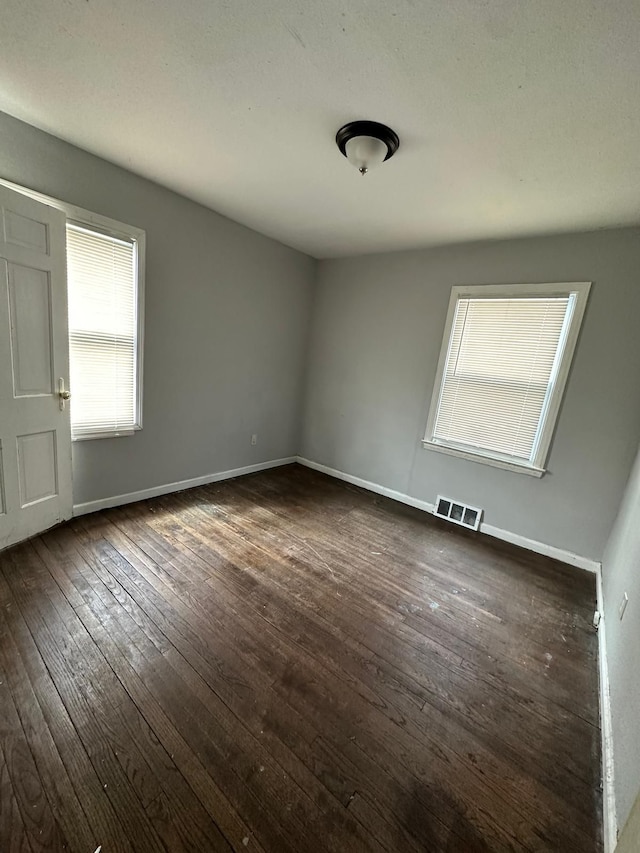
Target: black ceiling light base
[[368, 128]]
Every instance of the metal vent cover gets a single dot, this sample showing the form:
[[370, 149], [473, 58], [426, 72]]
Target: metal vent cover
[[458, 513]]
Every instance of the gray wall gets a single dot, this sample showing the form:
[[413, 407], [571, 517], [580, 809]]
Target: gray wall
[[620, 574], [227, 314], [376, 334], [630, 838]]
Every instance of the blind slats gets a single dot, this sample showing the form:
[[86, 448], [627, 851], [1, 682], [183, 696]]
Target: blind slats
[[102, 331], [499, 367]]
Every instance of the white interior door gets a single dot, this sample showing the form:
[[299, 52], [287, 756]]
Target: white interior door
[[35, 435]]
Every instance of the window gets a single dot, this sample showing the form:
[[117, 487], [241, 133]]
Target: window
[[505, 358], [102, 274]]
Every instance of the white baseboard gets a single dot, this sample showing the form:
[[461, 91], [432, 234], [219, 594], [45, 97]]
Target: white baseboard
[[167, 488], [542, 548], [514, 538], [610, 822], [366, 484]]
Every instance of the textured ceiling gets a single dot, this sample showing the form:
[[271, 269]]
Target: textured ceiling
[[514, 117]]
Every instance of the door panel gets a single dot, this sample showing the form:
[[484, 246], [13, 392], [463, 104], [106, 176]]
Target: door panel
[[37, 468], [35, 436], [22, 231], [31, 326]]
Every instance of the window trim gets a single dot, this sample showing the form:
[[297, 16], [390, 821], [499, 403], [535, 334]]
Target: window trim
[[536, 465], [113, 228]]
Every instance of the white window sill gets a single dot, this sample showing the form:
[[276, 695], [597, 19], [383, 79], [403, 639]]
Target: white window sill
[[121, 433], [485, 459]]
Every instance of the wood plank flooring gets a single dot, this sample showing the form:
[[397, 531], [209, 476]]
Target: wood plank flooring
[[282, 663]]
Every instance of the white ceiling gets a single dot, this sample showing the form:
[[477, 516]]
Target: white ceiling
[[515, 116]]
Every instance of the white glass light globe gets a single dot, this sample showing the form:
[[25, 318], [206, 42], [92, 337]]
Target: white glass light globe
[[365, 152]]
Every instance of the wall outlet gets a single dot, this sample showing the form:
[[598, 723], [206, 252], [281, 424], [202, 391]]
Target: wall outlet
[[254, 438], [623, 605]]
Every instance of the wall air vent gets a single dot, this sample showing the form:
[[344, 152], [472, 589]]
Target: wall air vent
[[463, 514]]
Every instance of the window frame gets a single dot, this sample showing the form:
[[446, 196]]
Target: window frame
[[535, 466], [113, 228]]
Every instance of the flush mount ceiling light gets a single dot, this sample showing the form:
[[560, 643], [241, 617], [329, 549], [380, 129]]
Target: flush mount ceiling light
[[365, 144]]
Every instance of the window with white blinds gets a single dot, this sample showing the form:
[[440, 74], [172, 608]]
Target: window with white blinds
[[505, 358], [102, 272]]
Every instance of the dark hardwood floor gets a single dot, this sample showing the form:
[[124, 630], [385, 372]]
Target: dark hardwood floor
[[283, 662]]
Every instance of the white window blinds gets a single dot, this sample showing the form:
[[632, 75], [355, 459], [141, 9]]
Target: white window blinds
[[102, 286], [501, 365]]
